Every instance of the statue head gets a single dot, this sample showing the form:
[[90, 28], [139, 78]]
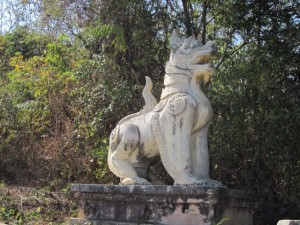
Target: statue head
[[189, 57]]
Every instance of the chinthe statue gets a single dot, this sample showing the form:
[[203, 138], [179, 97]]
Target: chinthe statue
[[175, 128]]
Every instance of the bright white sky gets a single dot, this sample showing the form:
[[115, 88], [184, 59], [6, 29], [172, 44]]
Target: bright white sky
[[13, 12]]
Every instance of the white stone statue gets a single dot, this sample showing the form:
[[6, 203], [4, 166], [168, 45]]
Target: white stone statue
[[176, 128]]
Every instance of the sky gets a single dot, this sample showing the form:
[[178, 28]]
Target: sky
[[13, 12]]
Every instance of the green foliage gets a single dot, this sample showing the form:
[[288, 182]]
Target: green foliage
[[40, 117], [255, 102], [29, 44], [112, 32], [6, 214], [21, 205]]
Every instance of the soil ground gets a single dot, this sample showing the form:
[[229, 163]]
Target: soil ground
[[23, 205]]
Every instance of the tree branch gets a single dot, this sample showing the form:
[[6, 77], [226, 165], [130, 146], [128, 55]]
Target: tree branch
[[226, 55]]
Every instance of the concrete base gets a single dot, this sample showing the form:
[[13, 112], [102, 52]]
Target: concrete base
[[158, 204]]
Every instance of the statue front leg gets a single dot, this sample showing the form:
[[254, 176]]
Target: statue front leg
[[172, 128], [200, 159]]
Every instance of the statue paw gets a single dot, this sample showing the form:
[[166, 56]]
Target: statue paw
[[214, 183], [186, 179], [195, 181], [206, 182], [135, 181]]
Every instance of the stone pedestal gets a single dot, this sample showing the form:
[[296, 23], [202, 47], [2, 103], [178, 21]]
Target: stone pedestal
[[157, 204]]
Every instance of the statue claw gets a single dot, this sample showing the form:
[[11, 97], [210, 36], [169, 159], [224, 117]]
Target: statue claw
[[135, 181], [195, 181]]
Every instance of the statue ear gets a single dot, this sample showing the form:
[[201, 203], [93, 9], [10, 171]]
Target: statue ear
[[175, 40]]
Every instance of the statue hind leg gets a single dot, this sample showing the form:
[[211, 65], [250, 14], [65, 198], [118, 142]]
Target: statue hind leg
[[121, 154]]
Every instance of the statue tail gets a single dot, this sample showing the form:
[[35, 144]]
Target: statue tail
[[150, 102]]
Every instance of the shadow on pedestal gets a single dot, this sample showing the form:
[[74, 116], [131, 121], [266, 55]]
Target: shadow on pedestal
[[158, 204]]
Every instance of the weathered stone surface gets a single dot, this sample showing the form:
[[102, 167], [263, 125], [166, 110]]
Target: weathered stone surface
[[78, 221], [176, 128], [158, 204], [288, 222]]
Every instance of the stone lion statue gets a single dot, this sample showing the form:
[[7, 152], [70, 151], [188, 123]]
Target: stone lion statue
[[175, 128]]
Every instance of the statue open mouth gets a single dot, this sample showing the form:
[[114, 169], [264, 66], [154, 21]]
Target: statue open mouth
[[207, 53], [201, 64], [202, 59], [203, 70]]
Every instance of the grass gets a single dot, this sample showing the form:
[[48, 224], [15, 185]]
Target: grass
[[23, 205]]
